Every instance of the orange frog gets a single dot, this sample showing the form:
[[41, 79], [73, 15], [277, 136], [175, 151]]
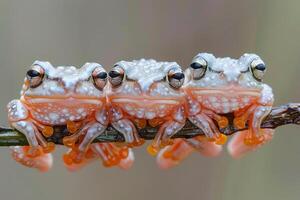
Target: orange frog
[[63, 96], [147, 92], [216, 86]]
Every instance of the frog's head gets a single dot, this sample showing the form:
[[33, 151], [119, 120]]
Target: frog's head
[[226, 74], [44, 82], [147, 78]]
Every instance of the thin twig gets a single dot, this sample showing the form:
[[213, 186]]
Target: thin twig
[[281, 115]]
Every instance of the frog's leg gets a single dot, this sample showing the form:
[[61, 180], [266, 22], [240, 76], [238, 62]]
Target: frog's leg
[[43, 162], [109, 153], [112, 155], [35, 155], [202, 118], [167, 130], [89, 132], [255, 114], [207, 125], [125, 127], [237, 148], [172, 155]]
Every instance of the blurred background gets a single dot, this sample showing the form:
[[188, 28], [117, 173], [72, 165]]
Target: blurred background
[[72, 32]]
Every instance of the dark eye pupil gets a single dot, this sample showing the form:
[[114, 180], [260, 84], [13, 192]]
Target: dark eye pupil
[[178, 76], [33, 73], [196, 65], [102, 75], [114, 74], [260, 67]]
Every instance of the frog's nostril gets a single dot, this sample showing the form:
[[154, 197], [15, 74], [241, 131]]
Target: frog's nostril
[[178, 76], [113, 74]]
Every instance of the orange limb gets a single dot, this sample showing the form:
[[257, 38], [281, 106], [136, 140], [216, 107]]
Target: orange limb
[[241, 117], [221, 120], [163, 136], [255, 134], [237, 147], [43, 162], [172, 155]]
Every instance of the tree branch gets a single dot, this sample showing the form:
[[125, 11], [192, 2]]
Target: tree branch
[[281, 115]]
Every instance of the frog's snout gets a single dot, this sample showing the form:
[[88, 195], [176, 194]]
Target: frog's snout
[[232, 75]]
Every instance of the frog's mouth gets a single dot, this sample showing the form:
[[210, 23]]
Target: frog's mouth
[[145, 101], [226, 92], [63, 99]]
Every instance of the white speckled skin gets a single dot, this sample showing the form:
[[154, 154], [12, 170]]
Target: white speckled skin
[[145, 94], [227, 86], [66, 94]]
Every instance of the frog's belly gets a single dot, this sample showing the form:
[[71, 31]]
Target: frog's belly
[[223, 104], [59, 113], [147, 109]]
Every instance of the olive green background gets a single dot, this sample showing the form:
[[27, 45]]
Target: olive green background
[[72, 32]]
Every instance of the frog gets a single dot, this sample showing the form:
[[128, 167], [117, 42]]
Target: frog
[[59, 96], [147, 93], [218, 86]]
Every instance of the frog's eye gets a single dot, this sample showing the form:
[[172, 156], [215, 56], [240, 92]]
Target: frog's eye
[[35, 76], [175, 78], [199, 67], [258, 69], [116, 76], [99, 77]]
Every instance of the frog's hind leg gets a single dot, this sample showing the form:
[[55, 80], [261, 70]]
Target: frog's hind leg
[[172, 155], [43, 162], [36, 153], [237, 147], [113, 155], [167, 130], [110, 154], [78, 150]]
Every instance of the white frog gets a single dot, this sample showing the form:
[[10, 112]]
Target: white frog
[[147, 92], [217, 86], [61, 96]]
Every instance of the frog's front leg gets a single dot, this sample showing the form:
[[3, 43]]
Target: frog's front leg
[[255, 115], [89, 132], [172, 155], [254, 136], [167, 131], [125, 127], [203, 119], [37, 154]]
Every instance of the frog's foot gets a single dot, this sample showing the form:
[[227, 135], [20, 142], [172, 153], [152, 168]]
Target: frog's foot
[[240, 122], [171, 156], [221, 120], [204, 146], [123, 159], [89, 157], [163, 136], [126, 163], [209, 128], [241, 117], [43, 162], [129, 131], [112, 155], [74, 156], [237, 147], [73, 127]]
